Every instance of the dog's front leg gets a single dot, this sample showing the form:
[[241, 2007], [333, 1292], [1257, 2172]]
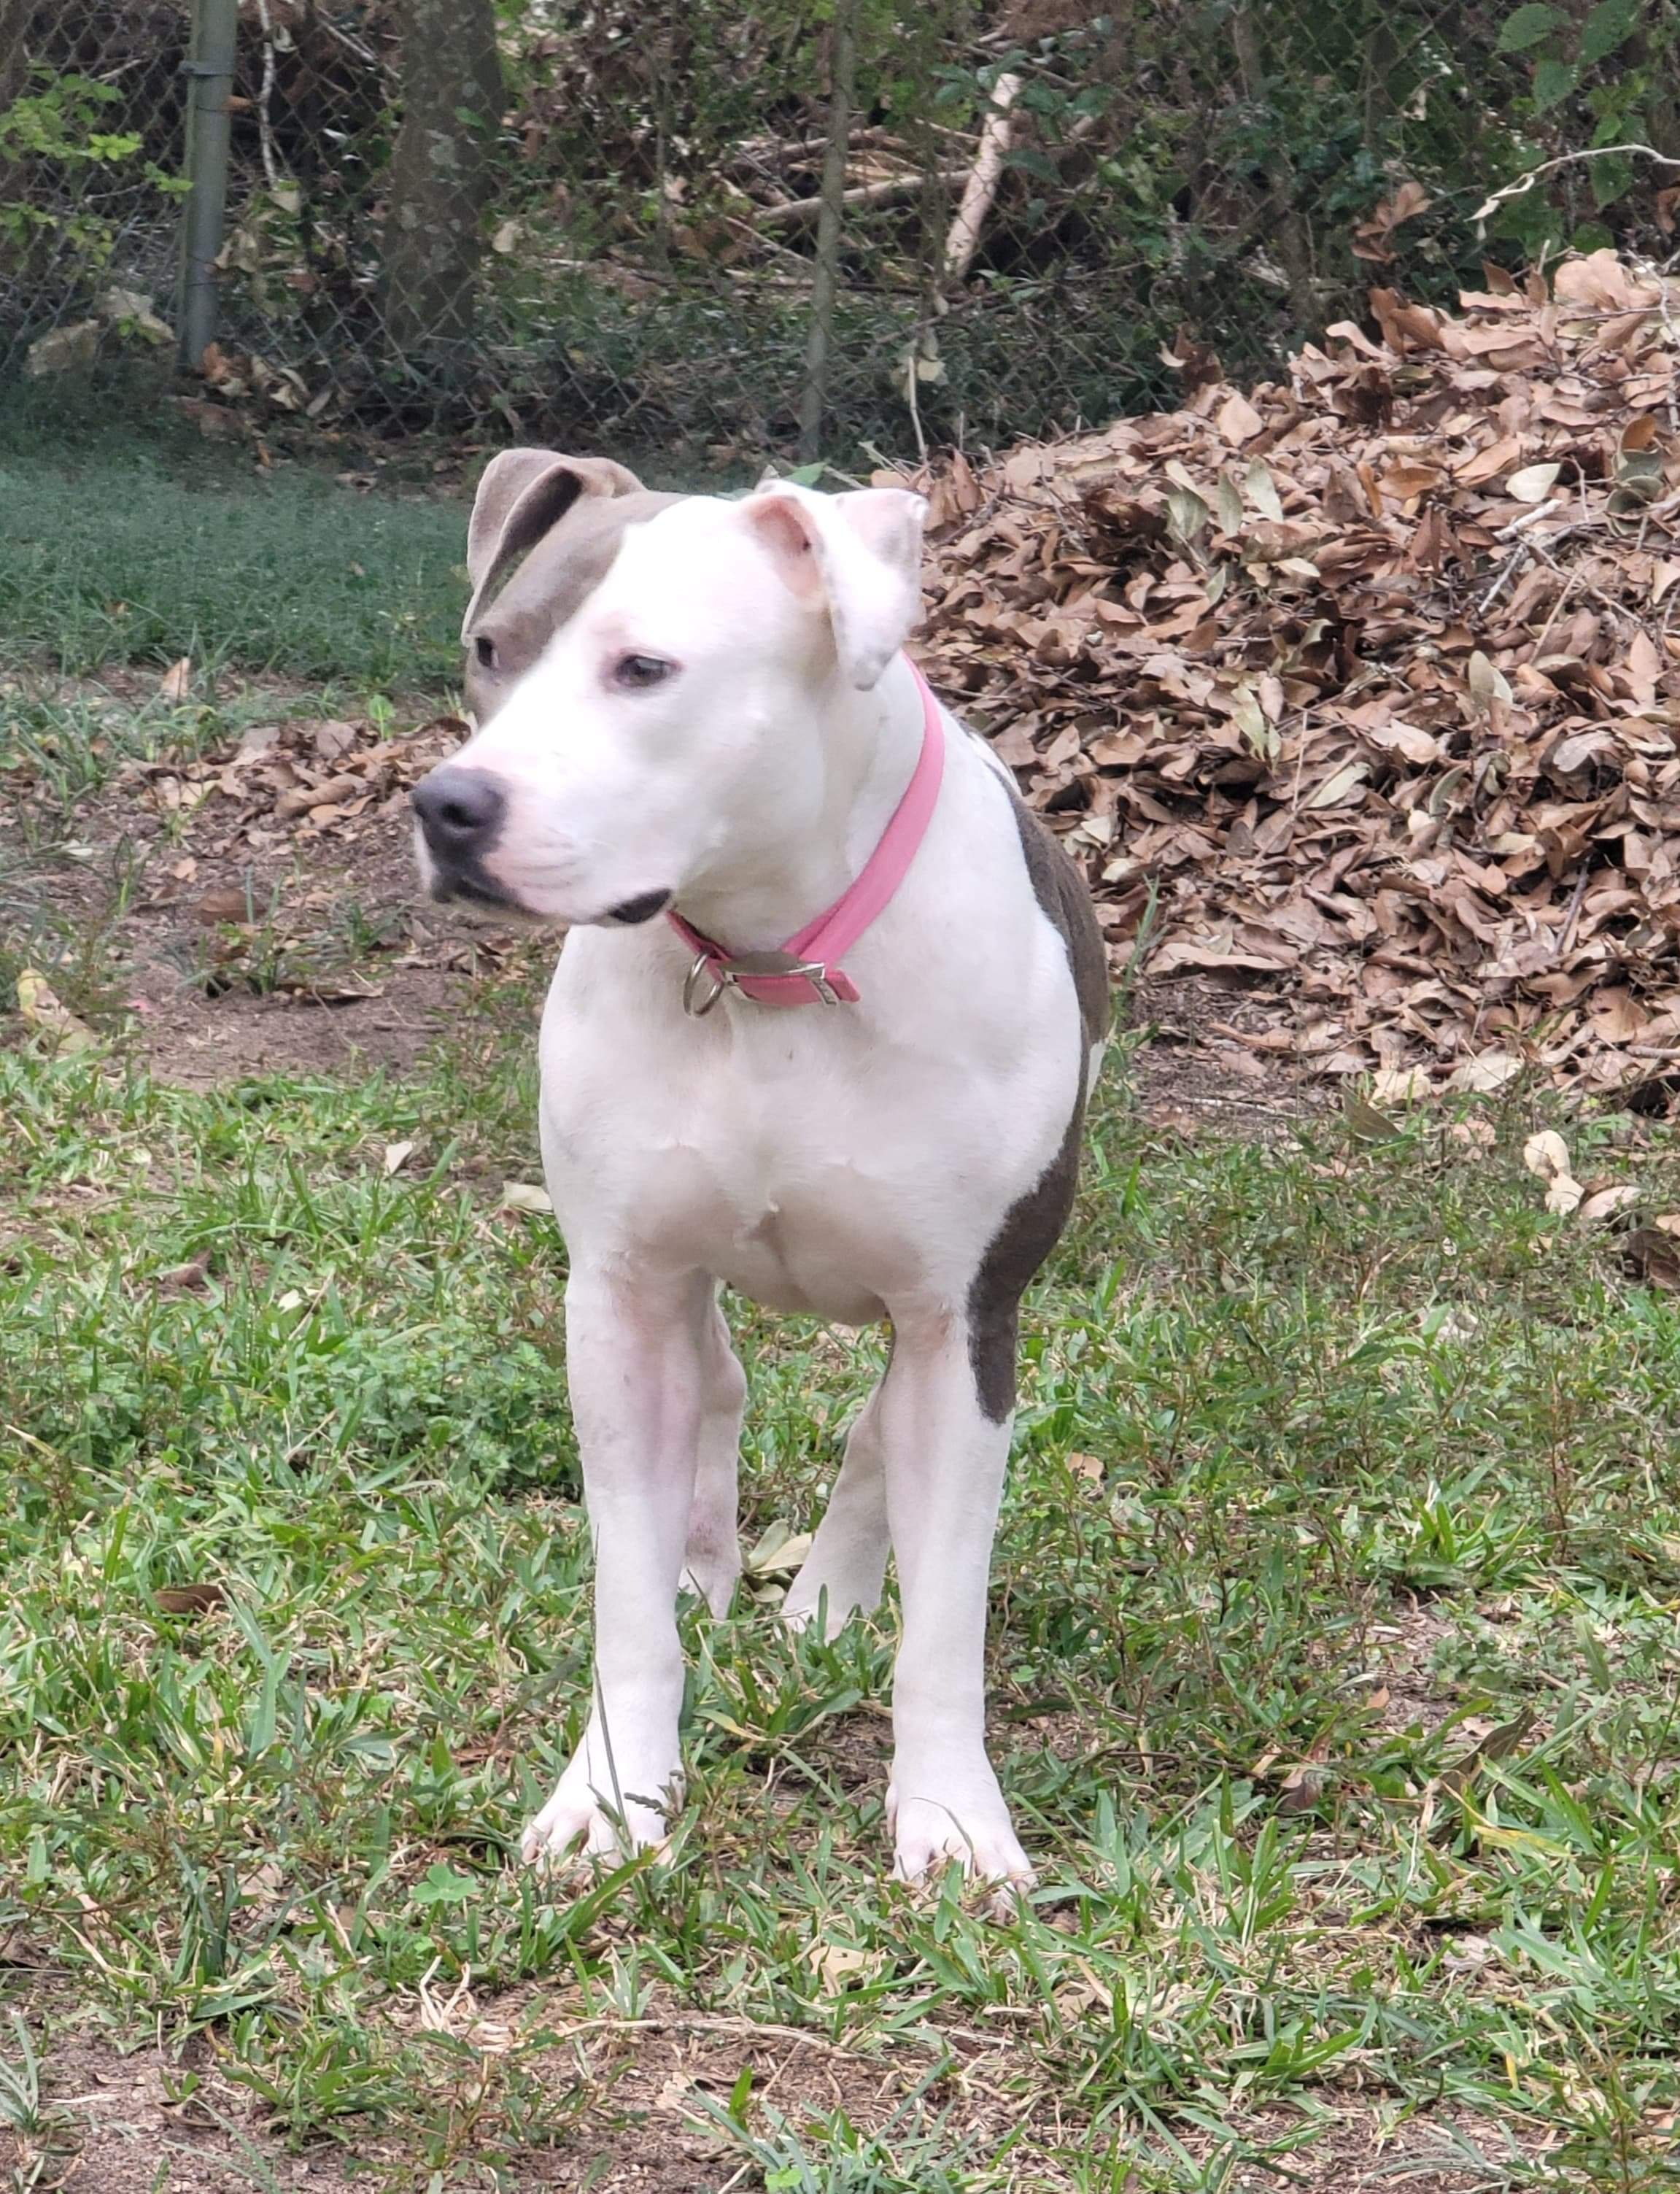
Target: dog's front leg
[[945, 1459], [637, 1377], [712, 1557]]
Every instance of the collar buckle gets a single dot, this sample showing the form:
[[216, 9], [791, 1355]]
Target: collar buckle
[[742, 968]]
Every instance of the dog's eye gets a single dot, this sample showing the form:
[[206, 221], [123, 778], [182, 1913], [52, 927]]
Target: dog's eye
[[485, 649], [636, 673]]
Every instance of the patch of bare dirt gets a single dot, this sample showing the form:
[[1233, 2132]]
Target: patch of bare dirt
[[1214, 1062], [531, 2086], [141, 2122], [1408, 1641], [257, 909], [1366, 2146]]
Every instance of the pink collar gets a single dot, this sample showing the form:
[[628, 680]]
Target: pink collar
[[806, 971]]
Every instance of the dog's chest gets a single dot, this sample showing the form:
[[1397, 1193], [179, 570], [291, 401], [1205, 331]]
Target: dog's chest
[[829, 1192], [805, 1213]]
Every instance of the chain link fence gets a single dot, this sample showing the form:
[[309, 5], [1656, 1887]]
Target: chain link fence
[[605, 225]]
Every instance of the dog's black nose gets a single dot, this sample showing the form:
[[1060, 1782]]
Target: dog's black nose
[[460, 811]]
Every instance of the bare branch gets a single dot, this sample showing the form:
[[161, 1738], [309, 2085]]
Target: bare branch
[[1526, 183], [964, 237]]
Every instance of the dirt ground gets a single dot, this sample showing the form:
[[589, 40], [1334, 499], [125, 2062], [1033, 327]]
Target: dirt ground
[[151, 2120]]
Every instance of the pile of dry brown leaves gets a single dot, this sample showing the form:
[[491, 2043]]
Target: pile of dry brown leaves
[[1365, 684]]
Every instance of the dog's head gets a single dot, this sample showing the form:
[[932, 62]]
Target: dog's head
[[650, 685]]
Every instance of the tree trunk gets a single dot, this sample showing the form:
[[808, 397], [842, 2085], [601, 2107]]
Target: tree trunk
[[825, 281], [441, 171]]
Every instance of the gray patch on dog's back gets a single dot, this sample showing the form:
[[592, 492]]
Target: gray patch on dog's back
[[1033, 1224], [1059, 889], [1031, 1228], [556, 578]]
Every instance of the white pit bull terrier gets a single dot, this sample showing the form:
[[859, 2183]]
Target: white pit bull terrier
[[845, 1074]]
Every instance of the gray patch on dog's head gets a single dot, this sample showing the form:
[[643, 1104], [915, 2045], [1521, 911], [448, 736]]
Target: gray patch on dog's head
[[520, 495], [544, 532], [559, 573]]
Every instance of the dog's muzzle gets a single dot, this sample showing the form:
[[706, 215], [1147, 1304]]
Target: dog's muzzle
[[460, 814]]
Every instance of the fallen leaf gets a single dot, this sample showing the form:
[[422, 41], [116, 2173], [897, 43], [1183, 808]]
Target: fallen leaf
[[1261, 489], [1654, 1257], [301, 799], [395, 1154], [331, 740], [1489, 1071], [176, 682], [344, 990], [260, 740], [1237, 420], [1303, 1787], [676, 2095], [230, 904], [779, 1551], [1366, 1122], [1416, 745], [189, 1599], [1400, 1085], [524, 1195], [62, 349], [835, 1964], [1480, 1134], [1500, 1741], [1547, 1154], [131, 309], [1533, 482], [1339, 786], [1486, 682], [1604, 1202], [48, 1016]]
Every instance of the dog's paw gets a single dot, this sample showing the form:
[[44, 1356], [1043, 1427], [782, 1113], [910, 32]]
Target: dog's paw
[[713, 1574], [929, 1833], [579, 1823]]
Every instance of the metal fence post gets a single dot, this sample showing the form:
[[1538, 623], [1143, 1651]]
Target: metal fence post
[[216, 25], [826, 280]]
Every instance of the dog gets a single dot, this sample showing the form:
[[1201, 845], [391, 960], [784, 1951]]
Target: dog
[[829, 1008]]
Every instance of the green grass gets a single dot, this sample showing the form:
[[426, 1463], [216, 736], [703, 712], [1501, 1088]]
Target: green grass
[[123, 546], [1276, 1401]]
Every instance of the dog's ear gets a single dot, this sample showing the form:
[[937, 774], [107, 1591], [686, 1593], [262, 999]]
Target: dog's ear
[[858, 556], [524, 494]]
